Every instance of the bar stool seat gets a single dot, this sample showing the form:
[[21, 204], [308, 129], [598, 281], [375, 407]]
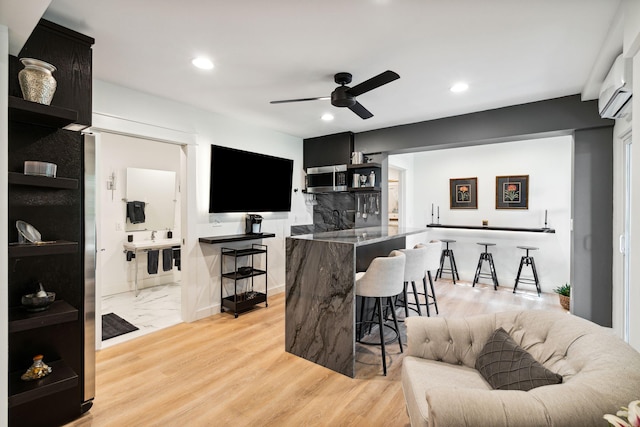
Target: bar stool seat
[[486, 256], [383, 279], [453, 268], [527, 260]]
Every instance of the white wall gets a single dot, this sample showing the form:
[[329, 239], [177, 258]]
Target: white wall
[[203, 286], [547, 162], [117, 153], [632, 50]]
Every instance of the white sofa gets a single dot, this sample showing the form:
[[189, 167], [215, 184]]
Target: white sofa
[[600, 372]]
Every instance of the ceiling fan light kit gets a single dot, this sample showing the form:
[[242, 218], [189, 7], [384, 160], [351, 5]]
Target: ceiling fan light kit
[[345, 96]]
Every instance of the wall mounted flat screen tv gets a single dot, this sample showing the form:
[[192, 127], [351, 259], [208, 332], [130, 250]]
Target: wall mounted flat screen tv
[[242, 181]]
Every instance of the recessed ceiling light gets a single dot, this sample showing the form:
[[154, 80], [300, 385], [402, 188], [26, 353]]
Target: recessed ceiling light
[[459, 87], [202, 63], [327, 117]]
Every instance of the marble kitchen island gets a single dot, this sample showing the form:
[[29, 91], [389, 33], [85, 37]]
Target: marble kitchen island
[[320, 311]]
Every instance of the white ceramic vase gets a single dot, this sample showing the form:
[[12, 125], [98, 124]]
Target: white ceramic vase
[[36, 81]]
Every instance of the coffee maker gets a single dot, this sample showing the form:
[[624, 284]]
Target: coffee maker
[[253, 224]]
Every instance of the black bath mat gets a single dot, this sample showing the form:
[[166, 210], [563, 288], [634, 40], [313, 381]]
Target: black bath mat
[[114, 326]]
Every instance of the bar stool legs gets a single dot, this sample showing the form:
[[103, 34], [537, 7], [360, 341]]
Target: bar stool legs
[[527, 260], [453, 268], [431, 296], [486, 256], [381, 325]]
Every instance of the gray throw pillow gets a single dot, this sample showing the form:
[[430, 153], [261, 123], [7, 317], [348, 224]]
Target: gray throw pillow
[[507, 366]]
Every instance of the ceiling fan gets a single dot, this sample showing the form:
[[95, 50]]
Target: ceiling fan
[[345, 96]]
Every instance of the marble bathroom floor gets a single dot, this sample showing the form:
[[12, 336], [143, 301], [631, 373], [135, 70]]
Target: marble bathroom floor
[[153, 309]]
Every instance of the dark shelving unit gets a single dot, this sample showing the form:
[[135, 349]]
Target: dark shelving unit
[[17, 250], [40, 114], [243, 301], [57, 207], [17, 178], [62, 377], [365, 169], [58, 312]]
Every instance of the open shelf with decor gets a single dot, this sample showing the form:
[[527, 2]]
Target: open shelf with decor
[[40, 114], [62, 377], [59, 312], [17, 178], [364, 170]]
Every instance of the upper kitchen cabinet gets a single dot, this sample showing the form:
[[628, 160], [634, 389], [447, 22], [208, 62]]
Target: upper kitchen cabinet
[[70, 52], [328, 150]]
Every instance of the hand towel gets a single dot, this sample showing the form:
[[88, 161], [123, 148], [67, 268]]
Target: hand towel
[[167, 259], [176, 257], [152, 261], [135, 212]]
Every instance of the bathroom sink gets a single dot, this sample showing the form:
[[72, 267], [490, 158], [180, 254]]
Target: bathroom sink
[[151, 244]]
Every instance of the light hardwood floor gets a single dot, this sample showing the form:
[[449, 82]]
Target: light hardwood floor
[[222, 371]]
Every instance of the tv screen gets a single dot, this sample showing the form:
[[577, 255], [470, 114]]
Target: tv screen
[[242, 181]]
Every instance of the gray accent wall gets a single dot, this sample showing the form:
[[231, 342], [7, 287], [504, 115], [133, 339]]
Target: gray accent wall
[[591, 257], [592, 235]]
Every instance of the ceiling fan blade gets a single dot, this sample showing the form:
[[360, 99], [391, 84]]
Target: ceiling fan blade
[[361, 111], [299, 100], [373, 82]]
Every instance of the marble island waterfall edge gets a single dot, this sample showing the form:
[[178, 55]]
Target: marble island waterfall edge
[[320, 303]]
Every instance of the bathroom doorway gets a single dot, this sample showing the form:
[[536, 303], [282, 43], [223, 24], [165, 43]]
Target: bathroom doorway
[[147, 296]]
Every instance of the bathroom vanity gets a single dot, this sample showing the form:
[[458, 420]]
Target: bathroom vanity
[[320, 311]]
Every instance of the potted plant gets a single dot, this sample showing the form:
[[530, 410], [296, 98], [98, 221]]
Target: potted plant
[[564, 293]]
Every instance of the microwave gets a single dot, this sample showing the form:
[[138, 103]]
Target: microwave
[[327, 179]]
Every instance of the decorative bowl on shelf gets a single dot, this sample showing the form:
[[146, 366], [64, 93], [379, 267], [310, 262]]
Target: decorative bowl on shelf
[[27, 233], [38, 301]]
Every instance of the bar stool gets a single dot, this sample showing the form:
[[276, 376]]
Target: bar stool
[[448, 253], [486, 256], [414, 270], [383, 279], [527, 260], [432, 261]]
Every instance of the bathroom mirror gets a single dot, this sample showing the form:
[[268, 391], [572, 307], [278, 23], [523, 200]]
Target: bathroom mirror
[[157, 189]]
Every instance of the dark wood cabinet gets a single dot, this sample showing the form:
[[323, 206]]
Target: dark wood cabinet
[[328, 150], [70, 52], [55, 207]]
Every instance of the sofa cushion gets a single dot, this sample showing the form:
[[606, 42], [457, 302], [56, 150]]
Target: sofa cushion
[[507, 366], [421, 375]]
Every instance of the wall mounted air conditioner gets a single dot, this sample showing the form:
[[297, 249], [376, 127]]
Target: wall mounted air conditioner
[[615, 94]]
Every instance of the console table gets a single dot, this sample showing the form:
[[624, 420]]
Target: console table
[[212, 240]]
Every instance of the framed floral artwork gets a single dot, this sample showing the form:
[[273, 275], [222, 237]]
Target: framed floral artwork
[[512, 192], [463, 193]]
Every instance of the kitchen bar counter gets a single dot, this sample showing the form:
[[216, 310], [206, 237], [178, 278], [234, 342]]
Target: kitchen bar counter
[[320, 290], [489, 227]]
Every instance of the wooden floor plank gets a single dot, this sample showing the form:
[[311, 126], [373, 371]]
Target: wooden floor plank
[[222, 371]]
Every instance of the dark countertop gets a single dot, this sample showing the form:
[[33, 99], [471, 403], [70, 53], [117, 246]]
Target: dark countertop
[[490, 227], [361, 236]]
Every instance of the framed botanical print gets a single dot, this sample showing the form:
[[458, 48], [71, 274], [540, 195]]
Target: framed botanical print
[[512, 192], [463, 193]]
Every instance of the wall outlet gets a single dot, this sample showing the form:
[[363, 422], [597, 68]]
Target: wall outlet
[[118, 226]]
